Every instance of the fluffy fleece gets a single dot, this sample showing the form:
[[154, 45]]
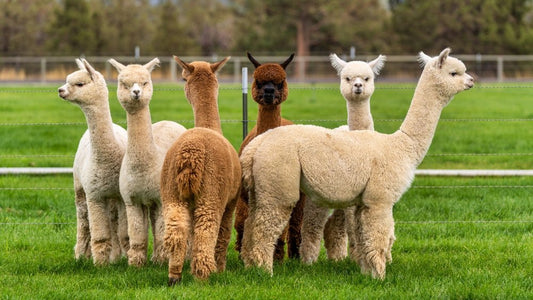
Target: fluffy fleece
[[200, 181], [141, 168], [101, 218], [356, 86], [269, 90], [339, 169]]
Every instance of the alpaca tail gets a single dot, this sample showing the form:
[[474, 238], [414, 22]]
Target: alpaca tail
[[247, 159], [190, 167]]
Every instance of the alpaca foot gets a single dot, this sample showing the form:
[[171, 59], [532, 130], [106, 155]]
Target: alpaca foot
[[159, 257], [375, 264], [201, 269], [337, 253], [101, 253], [82, 251], [136, 259], [173, 280]]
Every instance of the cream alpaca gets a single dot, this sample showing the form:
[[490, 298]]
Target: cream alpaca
[[141, 168], [339, 169], [200, 181], [356, 86], [101, 218]]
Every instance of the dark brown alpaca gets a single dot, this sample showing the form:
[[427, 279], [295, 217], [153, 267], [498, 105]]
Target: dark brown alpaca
[[200, 181], [269, 90]]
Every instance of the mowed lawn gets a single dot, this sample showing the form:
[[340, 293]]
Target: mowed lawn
[[456, 237]]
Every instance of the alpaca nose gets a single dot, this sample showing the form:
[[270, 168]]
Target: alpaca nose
[[358, 85], [269, 90]]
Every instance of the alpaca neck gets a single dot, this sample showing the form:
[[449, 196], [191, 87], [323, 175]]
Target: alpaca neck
[[422, 117], [359, 116], [101, 130], [268, 117], [140, 138], [205, 109]]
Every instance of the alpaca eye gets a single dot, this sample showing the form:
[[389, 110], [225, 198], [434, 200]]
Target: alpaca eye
[[145, 84], [347, 79], [453, 73], [280, 86], [258, 84], [366, 78], [79, 84]]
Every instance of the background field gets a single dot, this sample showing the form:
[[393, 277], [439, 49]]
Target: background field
[[456, 237]]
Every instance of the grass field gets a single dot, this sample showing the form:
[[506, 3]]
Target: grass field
[[458, 238]]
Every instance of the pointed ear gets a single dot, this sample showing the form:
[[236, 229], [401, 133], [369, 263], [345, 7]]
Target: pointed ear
[[80, 64], [218, 65], [116, 64], [89, 68], [337, 63], [442, 57], [287, 62], [187, 68], [152, 64], [377, 64], [423, 58], [253, 60]]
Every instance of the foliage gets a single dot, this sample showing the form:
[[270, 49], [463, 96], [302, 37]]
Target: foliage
[[208, 27]]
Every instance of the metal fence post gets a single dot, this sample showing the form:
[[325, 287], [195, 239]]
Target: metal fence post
[[244, 102]]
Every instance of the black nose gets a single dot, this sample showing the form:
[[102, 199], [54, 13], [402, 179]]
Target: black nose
[[358, 85], [269, 90], [60, 90]]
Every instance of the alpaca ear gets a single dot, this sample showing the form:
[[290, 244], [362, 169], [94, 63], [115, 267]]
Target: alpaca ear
[[423, 58], [116, 64], [185, 66], [253, 60], [442, 57], [80, 64], [337, 63], [152, 64], [89, 68], [287, 62], [218, 65], [377, 64]]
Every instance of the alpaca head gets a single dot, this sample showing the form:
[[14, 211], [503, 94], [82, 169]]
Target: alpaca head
[[85, 86], [270, 85], [446, 74], [134, 90], [200, 77], [357, 77]]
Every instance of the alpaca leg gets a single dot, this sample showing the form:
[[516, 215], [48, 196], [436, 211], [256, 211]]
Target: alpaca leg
[[113, 227], [206, 225], [176, 237], [159, 255], [335, 236], [224, 235], [241, 213], [138, 232], [122, 229], [377, 228], [263, 226], [354, 228], [83, 234], [295, 228], [312, 228], [100, 231]]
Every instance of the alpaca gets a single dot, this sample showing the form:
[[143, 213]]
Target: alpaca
[[269, 90], [200, 181], [101, 217], [356, 86], [339, 169], [141, 167]]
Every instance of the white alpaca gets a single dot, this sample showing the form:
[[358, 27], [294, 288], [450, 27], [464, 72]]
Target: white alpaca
[[338, 169], [356, 86], [141, 168], [101, 218]]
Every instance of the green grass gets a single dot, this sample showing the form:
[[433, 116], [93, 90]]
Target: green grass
[[457, 238]]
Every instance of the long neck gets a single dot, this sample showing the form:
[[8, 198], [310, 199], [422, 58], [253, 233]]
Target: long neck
[[140, 138], [359, 116], [423, 116], [268, 117], [205, 108], [101, 131]]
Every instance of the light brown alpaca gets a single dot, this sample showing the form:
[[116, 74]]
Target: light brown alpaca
[[141, 168], [269, 90], [338, 169], [101, 217], [200, 181]]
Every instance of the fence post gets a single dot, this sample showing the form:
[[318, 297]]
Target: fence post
[[173, 74], [244, 102], [500, 69], [43, 70], [236, 67]]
